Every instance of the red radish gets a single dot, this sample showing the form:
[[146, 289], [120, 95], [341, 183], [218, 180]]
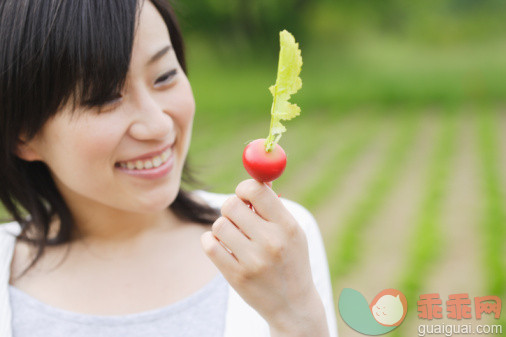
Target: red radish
[[264, 159], [263, 166]]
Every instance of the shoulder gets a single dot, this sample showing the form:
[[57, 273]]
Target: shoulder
[[9, 229], [214, 200], [8, 233]]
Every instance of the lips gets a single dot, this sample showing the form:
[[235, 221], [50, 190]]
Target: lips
[[147, 161], [152, 168]]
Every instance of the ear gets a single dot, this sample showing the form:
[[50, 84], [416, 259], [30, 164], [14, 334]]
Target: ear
[[25, 150]]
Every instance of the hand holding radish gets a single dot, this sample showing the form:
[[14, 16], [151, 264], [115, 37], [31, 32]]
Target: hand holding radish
[[266, 258], [257, 244]]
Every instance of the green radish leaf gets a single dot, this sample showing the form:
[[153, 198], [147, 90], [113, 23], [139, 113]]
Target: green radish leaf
[[287, 83]]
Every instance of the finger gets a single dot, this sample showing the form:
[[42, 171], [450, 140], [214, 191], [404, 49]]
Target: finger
[[269, 183], [242, 216], [225, 231], [264, 200], [218, 254]]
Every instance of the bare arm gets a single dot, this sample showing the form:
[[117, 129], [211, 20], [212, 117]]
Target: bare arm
[[311, 322]]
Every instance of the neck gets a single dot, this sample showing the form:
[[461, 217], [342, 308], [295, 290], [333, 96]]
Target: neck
[[101, 224], [116, 227]]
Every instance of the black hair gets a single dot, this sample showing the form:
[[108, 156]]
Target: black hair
[[53, 53]]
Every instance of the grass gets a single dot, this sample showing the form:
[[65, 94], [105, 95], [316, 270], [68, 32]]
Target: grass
[[318, 133], [340, 162], [346, 250], [493, 220], [426, 238]]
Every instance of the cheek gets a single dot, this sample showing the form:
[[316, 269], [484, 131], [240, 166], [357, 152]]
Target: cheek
[[87, 145], [181, 105], [184, 105], [97, 142]]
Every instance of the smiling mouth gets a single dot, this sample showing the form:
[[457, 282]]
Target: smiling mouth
[[148, 163]]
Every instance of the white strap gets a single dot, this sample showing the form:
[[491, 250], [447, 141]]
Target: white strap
[[8, 233], [242, 320]]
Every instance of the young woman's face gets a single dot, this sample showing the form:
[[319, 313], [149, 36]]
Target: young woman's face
[[129, 156]]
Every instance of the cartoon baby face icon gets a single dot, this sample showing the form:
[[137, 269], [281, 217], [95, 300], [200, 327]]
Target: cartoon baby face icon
[[389, 307]]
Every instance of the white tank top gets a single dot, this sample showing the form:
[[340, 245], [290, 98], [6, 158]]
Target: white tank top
[[200, 314]]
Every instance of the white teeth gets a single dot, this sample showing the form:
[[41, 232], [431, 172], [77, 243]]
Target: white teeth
[[147, 164], [157, 161]]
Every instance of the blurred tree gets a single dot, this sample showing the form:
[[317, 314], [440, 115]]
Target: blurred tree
[[253, 23]]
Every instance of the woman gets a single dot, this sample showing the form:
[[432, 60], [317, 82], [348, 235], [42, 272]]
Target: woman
[[96, 119]]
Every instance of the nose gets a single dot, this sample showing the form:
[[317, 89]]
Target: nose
[[151, 121]]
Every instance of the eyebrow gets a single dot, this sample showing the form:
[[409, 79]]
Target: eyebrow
[[159, 54]]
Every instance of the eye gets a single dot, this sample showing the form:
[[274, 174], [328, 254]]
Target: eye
[[109, 104], [103, 103], [112, 101], [167, 77]]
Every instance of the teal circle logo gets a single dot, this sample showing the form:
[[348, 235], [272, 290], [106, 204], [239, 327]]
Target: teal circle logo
[[385, 313]]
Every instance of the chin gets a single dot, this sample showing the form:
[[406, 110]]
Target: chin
[[152, 202], [161, 202]]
